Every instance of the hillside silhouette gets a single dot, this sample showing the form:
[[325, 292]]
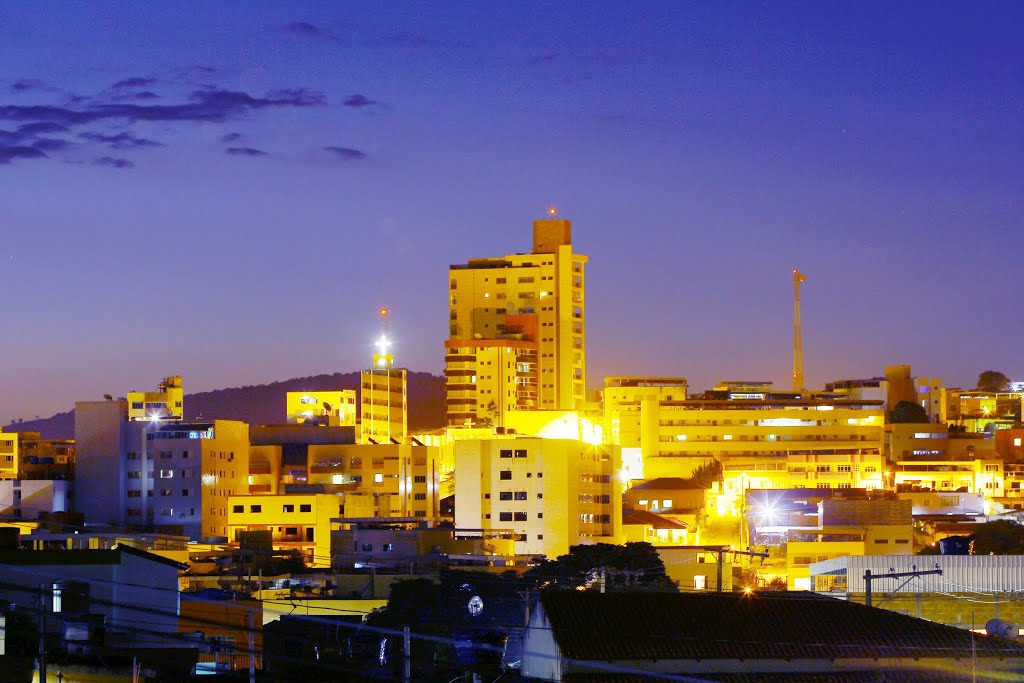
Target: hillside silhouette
[[265, 403]]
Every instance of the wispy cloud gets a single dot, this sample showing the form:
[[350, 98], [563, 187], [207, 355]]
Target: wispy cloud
[[135, 82], [246, 152], [204, 105], [358, 101], [113, 162], [346, 153], [23, 85], [50, 144], [231, 137], [120, 140], [308, 30], [8, 154]]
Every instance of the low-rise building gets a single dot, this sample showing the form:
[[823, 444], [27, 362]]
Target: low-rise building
[[297, 521], [327, 408], [553, 493], [970, 590], [765, 637]]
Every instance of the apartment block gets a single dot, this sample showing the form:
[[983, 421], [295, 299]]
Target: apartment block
[[166, 403], [535, 299], [553, 493], [299, 522]]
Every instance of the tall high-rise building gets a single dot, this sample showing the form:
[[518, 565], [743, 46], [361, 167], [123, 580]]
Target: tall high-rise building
[[517, 337]]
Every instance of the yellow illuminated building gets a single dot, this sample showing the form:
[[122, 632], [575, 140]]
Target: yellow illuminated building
[[763, 439], [384, 402], [299, 522], [166, 403], [329, 408], [370, 480], [849, 527], [8, 455], [536, 300], [553, 493], [972, 476]]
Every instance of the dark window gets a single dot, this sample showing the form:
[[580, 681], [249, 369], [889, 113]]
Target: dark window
[[287, 508], [309, 534], [520, 516], [520, 495], [367, 547], [305, 508], [255, 508], [520, 453], [419, 496], [540, 495], [504, 516], [505, 495], [419, 479], [238, 508], [291, 531], [505, 475], [505, 453]]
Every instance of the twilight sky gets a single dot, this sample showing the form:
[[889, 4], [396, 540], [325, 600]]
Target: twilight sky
[[229, 191]]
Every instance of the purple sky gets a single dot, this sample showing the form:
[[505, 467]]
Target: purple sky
[[229, 191]]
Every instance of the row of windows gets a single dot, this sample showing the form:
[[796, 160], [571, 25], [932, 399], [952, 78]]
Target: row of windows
[[284, 508], [506, 475]]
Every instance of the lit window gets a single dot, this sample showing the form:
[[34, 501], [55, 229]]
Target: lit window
[[700, 582], [378, 478]]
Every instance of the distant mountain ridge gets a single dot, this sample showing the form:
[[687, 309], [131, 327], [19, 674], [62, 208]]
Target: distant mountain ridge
[[265, 403]]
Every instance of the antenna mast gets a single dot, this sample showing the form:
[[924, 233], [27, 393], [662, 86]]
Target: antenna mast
[[798, 344]]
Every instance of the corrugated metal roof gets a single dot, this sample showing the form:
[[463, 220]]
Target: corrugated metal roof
[[634, 626], [960, 573]]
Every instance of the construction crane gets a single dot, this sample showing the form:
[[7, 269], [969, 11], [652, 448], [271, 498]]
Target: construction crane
[[798, 344]]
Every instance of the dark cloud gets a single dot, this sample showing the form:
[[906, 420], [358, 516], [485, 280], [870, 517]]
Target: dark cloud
[[113, 162], [137, 82], [7, 154], [346, 153], [308, 30], [231, 137], [50, 144], [41, 127], [209, 104], [144, 95], [120, 140], [245, 152], [358, 101]]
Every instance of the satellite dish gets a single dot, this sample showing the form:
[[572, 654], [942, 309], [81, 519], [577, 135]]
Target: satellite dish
[[475, 606], [108, 397], [326, 405], [1001, 629]]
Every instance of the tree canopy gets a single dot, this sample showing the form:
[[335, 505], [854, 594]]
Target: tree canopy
[[993, 380], [1001, 537], [629, 567], [907, 412]]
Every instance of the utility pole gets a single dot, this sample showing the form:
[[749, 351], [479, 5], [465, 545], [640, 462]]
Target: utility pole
[[798, 344], [252, 645], [407, 650], [913, 574], [42, 633]]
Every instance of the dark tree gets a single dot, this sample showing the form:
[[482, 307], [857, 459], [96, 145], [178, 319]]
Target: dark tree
[[993, 380], [707, 474], [629, 567], [907, 412], [1001, 537]]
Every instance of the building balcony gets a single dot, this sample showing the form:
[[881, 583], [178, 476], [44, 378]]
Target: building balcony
[[259, 468]]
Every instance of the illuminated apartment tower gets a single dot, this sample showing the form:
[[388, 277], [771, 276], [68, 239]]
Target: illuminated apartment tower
[[517, 337], [383, 407]]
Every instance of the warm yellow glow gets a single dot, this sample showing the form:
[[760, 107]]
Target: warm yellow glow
[[383, 312], [552, 211]]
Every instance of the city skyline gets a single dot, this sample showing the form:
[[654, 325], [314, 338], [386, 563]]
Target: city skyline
[[231, 196]]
